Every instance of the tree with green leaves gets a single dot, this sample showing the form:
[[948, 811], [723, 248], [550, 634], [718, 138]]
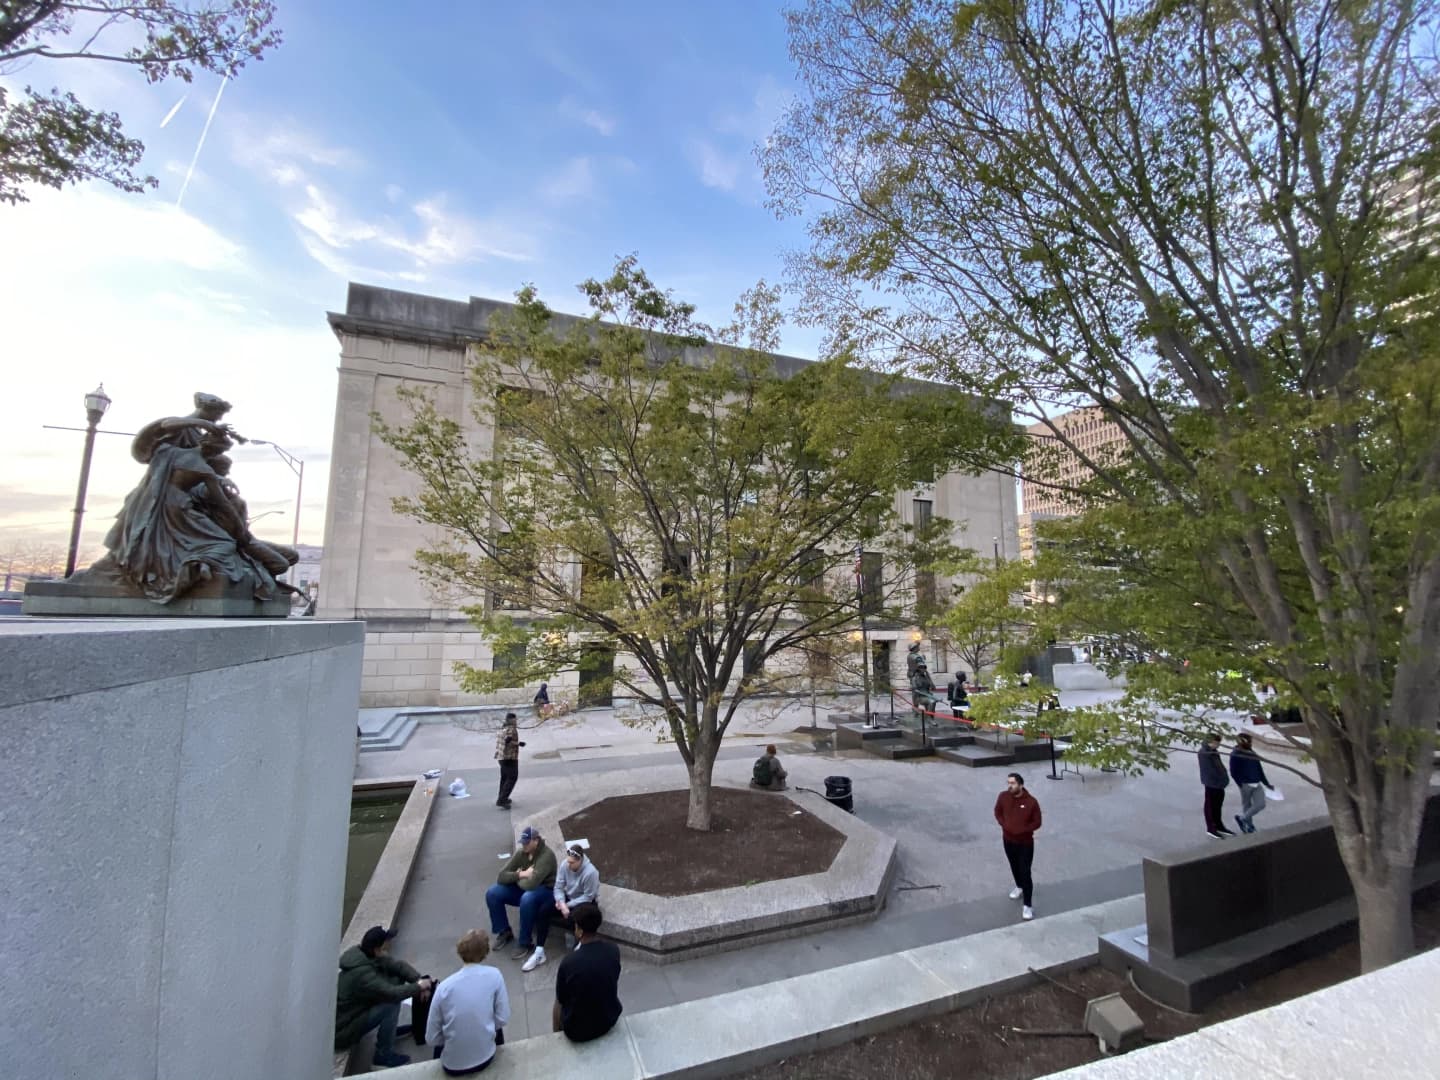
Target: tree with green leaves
[[986, 620], [50, 137], [1198, 219], [667, 509]]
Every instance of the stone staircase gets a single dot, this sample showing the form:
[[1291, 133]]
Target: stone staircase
[[389, 732], [975, 749]]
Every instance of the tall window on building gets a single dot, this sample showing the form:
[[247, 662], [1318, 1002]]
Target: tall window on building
[[872, 569], [510, 659], [516, 589], [922, 513]]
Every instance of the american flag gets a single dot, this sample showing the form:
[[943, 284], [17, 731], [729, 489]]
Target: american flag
[[859, 570]]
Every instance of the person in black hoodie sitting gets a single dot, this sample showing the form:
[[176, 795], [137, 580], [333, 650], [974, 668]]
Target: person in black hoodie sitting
[[587, 1000]]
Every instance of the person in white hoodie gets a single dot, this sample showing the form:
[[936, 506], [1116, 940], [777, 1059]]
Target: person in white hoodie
[[470, 1010], [577, 882]]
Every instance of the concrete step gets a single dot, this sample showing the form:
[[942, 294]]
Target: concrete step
[[391, 736], [897, 750], [976, 756], [945, 741]]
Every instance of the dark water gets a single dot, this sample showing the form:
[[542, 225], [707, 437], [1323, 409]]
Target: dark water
[[371, 820]]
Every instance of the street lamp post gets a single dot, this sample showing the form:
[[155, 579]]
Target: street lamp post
[[96, 402], [297, 466]]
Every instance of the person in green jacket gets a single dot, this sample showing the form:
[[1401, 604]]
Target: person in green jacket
[[527, 882], [372, 986]]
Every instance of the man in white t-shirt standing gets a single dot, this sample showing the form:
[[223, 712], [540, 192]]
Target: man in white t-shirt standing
[[469, 1011]]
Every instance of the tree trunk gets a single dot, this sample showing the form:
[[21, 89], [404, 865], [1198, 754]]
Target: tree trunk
[[1387, 926], [700, 780]]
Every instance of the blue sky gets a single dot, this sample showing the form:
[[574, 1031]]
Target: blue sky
[[463, 153]]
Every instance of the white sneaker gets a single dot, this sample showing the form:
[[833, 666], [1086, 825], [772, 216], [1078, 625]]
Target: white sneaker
[[1016, 893], [538, 957], [1027, 913]]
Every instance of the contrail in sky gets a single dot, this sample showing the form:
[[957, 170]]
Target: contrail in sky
[[174, 109], [201, 144]]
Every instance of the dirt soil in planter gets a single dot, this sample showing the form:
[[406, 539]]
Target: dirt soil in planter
[[641, 842], [980, 1042]]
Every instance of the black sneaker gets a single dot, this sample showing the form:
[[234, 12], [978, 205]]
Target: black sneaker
[[1215, 834], [502, 939], [391, 1061], [521, 951]]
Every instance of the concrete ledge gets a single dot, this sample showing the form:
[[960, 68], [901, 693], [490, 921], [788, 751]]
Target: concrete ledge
[[52, 658], [1380, 1025], [663, 929], [382, 896], [717, 1036]]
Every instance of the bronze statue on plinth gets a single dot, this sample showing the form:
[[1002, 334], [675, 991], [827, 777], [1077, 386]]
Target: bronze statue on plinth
[[181, 544]]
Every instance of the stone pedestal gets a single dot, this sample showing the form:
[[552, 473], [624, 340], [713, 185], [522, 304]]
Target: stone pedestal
[[175, 797], [83, 598]]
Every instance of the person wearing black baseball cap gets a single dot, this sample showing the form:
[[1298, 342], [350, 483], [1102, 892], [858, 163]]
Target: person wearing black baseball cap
[[372, 986]]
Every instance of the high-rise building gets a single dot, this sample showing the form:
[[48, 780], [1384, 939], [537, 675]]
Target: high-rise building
[[1055, 466]]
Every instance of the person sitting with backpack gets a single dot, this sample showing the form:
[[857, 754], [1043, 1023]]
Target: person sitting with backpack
[[767, 774]]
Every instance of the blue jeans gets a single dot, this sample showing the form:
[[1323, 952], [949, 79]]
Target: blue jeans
[[383, 1018], [536, 904]]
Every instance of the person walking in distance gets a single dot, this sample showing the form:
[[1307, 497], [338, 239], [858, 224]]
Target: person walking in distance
[[1214, 780], [1249, 776], [507, 752], [1018, 814]]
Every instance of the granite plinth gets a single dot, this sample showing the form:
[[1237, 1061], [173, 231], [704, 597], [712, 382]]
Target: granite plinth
[[1217, 917], [92, 599], [663, 929]]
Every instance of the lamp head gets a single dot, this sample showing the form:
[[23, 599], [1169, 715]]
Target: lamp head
[[97, 401]]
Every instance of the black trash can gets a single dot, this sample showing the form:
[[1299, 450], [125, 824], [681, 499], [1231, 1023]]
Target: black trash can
[[837, 792]]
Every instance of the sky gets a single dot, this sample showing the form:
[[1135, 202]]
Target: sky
[[461, 153]]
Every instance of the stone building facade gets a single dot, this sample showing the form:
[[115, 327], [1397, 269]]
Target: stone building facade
[[414, 638]]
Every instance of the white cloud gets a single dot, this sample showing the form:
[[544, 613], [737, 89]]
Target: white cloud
[[716, 169], [574, 180], [286, 154], [593, 118], [340, 241]]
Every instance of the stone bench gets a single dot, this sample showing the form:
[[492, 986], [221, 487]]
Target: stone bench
[[1224, 914]]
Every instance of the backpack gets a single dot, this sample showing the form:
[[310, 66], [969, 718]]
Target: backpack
[[761, 773]]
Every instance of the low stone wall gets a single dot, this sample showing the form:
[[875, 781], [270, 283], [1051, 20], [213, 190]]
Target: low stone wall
[[663, 929]]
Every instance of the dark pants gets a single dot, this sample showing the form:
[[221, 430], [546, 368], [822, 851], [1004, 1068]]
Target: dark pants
[[468, 1072], [509, 773], [1214, 800], [542, 928], [382, 1020], [535, 908], [1020, 857]]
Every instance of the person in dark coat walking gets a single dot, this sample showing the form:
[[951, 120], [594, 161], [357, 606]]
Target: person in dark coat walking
[[1214, 779], [1249, 776], [587, 999], [507, 752]]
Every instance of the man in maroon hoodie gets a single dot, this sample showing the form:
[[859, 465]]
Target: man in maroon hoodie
[[1018, 815]]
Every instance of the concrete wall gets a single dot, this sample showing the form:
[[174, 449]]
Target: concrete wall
[[389, 340], [175, 796]]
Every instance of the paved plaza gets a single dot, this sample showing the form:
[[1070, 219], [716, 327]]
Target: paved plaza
[[951, 879]]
